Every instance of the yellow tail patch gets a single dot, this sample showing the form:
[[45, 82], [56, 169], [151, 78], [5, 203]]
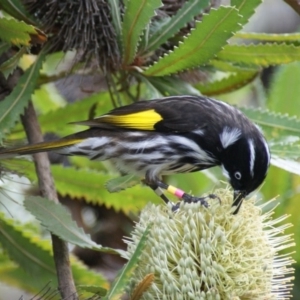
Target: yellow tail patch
[[143, 120]]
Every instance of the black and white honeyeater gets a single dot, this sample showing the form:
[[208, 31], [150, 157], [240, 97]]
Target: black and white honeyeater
[[177, 134]]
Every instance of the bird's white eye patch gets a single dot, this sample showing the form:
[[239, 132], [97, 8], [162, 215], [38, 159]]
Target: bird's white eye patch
[[238, 175], [229, 136]]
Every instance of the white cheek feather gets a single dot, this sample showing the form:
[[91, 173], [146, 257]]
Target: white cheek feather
[[225, 172], [252, 156], [229, 136]]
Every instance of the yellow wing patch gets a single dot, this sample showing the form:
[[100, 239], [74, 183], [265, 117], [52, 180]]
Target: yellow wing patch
[[143, 120]]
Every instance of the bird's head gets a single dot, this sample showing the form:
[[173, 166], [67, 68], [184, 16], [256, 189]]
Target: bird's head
[[245, 162]]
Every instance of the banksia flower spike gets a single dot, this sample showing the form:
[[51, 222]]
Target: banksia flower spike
[[199, 253]]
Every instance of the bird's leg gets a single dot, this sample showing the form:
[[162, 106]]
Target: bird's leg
[[158, 191], [157, 185]]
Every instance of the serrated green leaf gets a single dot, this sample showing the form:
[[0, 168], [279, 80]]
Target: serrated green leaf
[[17, 10], [121, 183], [203, 43], [9, 66], [89, 186], [226, 85], [246, 8], [29, 256], [137, 15], [13, 105], [273, 124], [185, 14], [122, 280], [16, 32], [169, 86], [224, 66], [269, 37], [261, 54], [21, 275], [57, 219]]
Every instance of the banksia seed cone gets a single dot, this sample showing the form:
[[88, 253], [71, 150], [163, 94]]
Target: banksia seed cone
[[199, 253]]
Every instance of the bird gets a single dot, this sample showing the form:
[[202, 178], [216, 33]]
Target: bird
[[175, 134]]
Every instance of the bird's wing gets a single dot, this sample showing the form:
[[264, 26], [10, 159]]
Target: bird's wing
[[156, 115]]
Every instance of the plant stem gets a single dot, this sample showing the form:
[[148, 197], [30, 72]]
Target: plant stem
[[46, 185]]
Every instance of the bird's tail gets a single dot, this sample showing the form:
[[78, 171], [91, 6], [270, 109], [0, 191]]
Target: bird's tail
[[39, 147]]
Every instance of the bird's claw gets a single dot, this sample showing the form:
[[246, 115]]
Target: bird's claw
[[191, 199]]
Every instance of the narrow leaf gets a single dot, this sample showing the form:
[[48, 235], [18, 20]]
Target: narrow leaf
[[122, 183], [260, 55], [20, 247], [288, 165], [169, 86], [274, 124], [89, 185], [122, 280], [16, 32], [116, 18], [13, 105], [285, 85], [17, 10], [270, 37], [97, 290], [246, 8], [226, 85], [56, 218], [137, 15], [203, 43], [4, 47], [185, 14], [9, 66]]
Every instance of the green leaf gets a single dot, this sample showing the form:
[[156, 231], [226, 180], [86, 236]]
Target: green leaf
[[17, 10], [270, 37], [226, 85], [169, 86], [116, 18], [10, 65], [137, 15], [89, 186], [4, 47], [57, 219], [203, 43], [260, 55], [96, 290], [122, 280], [16, 32], [246, 8], [35, 267], [285, 85], [56, 121], [288, 165], [20, 247], [274, 124], [185, 14], [13, 105], [121, 183], [224, 66]]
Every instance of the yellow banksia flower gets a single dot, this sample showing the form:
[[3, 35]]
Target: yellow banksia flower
[[209, 253]]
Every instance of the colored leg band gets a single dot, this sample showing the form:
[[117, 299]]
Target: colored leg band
[[175, 191]]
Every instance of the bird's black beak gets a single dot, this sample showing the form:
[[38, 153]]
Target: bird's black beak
[[238, 197]]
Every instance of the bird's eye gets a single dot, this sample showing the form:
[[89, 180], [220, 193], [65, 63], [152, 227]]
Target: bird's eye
[[238, 175]]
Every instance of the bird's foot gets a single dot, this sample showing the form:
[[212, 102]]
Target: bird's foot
[[192, 199]]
